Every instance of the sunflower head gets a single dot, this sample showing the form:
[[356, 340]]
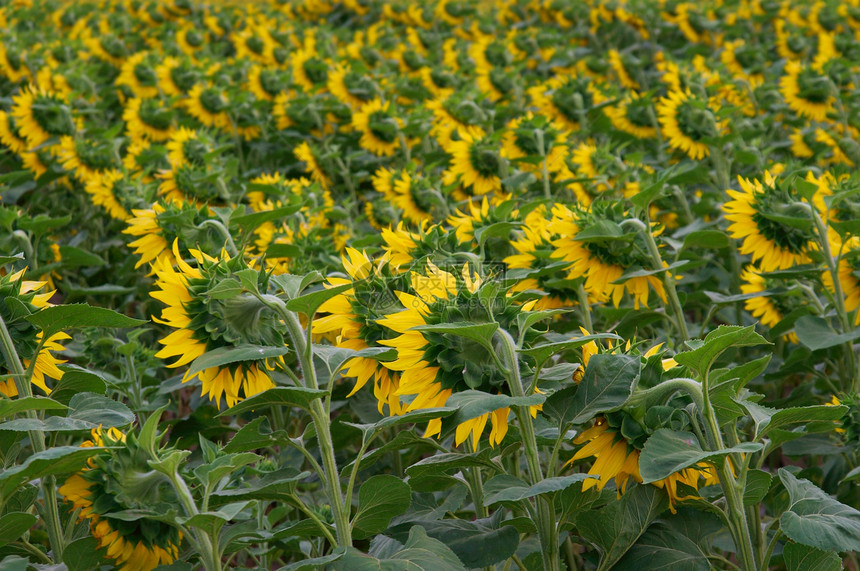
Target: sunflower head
[[434, 364], [118, 478], [208, 311], [26, 337]]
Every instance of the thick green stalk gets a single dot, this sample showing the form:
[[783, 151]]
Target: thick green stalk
[[668, 280], [37, 439], [731, 488], [838, 297], [585, 308], [546, 524], [205, 544], [322, 422]]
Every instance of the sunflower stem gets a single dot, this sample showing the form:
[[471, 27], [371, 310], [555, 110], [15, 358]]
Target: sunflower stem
[[547, 192], [732, 487], [37, 437], [585, 307], [838, 296], [320, 416], [668, 280], [476, 486], [545, 520], [222, 230]]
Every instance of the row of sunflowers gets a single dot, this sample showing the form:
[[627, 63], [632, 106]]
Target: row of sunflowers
[[524, 284]]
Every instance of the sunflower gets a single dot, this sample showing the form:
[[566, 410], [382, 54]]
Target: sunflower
[[432, 366], [455, 114], [475, 163], [847, 271], [407, 191], [352, 316], [40, 114], [101, 489], [601, 263], [769, 310], [756, 212], [190, 41], [686, 122], [524, 138], [632, 115], [309, 70], [304, 152], [254, 43], [265, 83], [745, 62], [10, 136], [565, 99], [806, 91], [87, 158], [176, 77], [151, 244], [617, 459], [379, 128], [138, 76], [209, 105], [148, 119], [12, 63], [108, 189], [479, 215], [26, 337], [534, 249], [352, 88], [616, 62], [203, 322]]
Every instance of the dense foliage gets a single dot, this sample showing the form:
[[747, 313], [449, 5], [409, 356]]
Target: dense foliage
[[522, 284]]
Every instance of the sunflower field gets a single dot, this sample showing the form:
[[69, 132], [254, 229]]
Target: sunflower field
[[398, 285]]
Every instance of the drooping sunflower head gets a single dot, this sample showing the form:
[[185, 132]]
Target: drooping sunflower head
[[774, 304], [25, 336], [476, 164], [434, 365], [601, 252], [118, 478], [149, 119], [40, 114], [688, 123], [352, 317], [209, 104], [807, 91], [532, 136], [379, 128], [403, 247], [409, 190], [204, 320], [564, 99], [138, 74], [352, 87], [86, 157], [633, 115], [766, 216], [266, 83], [176, 77]]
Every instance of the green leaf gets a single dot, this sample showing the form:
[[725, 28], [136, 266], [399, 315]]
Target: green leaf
[[815, 333], [75, 257], [758, 484], [419, 553], [43, 223], [13, 562], [278, 396], [54, 461], [495, 230], [9, 259], [413, 417], [248, 222], [559, 406], [817, 520], [58, 318], [314, 563], [472, 404], [77, 381], [608, 382], [336, 357], [14, 524], [545, 486], [86, 411], [253, 436], [479, 332], [223, 466], [780, 418], [278, 486], [702, 358], [451, 460], [706, 239], [211, 522], [662, 547], [225, 289], [668, 451], [8, 407], [380, 498], [477, 544], [239, 353], [84, 554], [647, 195], [604, 230], [621, 522], [799, 557], [540, 353], [310, 302], [635, 272]]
